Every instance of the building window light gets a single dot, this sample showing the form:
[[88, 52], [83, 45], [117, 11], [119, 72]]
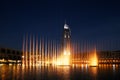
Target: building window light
[[64, 36]]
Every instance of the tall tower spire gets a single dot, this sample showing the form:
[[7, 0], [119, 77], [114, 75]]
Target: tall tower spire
[[66, 38]]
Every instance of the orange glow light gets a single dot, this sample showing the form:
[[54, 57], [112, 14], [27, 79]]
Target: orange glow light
[[64, 59], [93, 59]]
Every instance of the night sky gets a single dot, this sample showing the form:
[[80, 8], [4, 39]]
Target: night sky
[[89, 20]]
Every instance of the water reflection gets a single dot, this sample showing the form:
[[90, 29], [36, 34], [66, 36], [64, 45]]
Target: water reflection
[[74, 72], [63, 72], [113, 68], [93, 73]]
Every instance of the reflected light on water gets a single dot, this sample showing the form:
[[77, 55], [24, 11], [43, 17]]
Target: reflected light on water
[[18, 72], [113, 67], [93, 71]]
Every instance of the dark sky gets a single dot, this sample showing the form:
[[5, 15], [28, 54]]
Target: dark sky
[[91, 20]]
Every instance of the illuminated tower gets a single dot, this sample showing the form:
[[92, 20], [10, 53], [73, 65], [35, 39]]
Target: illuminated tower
[[66, 39]]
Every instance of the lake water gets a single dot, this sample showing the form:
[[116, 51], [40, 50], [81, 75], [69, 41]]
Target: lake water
[[74, 72]]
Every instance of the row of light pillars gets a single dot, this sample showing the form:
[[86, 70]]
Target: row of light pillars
[[44, 51], [39, 52]]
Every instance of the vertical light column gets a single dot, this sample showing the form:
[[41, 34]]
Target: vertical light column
[[85, 51], [45, 52], [36, 51], [42, 54], [47, 56], [23, 52], [55, 52], [30, 52], [26, 52], [33, 51], [77, 51], [51, 52], [48, 53], [40, 51]]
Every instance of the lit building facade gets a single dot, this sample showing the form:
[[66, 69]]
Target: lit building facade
[[66, 39], [10, 55]]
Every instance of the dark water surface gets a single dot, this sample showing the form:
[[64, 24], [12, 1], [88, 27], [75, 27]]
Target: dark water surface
[[74, 72]]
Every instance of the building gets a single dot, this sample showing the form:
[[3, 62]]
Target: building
[[108, 57], [66, 39], [10, 55]]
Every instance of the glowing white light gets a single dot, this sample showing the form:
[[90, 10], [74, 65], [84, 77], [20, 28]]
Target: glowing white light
[[113, 67], [68, 36], [65, 52], [66, 26], [65, 36], [22, 56]]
